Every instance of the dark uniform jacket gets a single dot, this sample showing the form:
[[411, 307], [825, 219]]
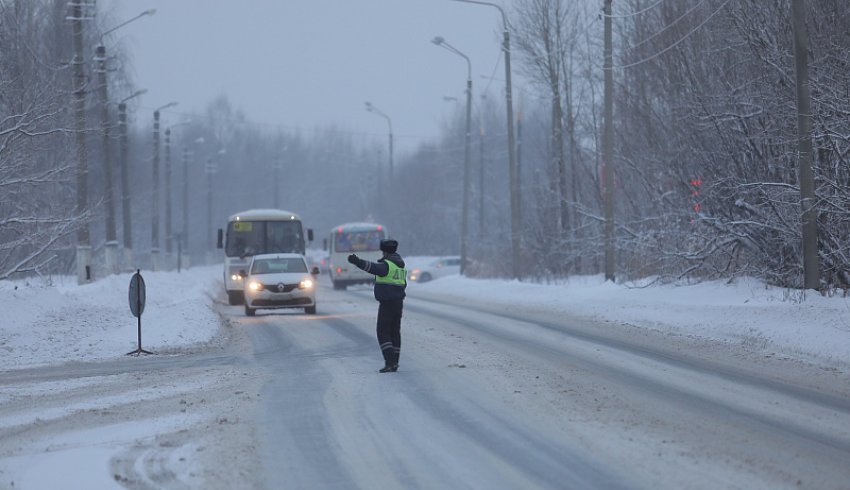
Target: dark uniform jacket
[[384, 292]]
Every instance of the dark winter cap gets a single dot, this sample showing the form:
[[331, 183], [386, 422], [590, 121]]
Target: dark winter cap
[[389, 245]]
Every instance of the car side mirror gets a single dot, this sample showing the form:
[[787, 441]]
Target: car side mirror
[[315, 271]]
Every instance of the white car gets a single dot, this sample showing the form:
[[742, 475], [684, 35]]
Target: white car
[[444, 266], [279, 281]]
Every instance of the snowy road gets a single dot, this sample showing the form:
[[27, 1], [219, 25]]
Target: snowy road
[[498, 397], [488, 396]]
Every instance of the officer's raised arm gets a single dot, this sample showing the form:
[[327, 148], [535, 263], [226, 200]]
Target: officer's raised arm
[[375, 268]]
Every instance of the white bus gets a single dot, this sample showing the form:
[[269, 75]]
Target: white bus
[[253, 232], [363, 239]]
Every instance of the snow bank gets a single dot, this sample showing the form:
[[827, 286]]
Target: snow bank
[[747, 311], [54, 321]]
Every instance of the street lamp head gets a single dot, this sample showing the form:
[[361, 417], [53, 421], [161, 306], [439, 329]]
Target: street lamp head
[[135, 94], [368, 106], [166, 106], [146, 12], [438, 40]]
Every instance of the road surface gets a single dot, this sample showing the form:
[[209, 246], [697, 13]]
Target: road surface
[[487, 396]]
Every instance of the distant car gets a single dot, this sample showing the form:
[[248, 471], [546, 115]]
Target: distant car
[[279, 281], [444, 266]]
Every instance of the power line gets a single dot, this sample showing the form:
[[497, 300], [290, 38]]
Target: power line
[[686, 36], [688, 12]]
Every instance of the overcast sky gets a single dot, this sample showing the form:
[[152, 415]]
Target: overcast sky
[[308, 63]]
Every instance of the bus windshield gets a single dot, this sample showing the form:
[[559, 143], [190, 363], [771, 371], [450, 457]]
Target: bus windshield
[[358, 241], [246, 238]]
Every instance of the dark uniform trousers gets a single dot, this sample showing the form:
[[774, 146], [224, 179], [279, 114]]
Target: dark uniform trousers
[[389, 329]]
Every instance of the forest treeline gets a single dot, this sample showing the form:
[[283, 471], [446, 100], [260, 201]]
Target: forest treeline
[[705, 158]]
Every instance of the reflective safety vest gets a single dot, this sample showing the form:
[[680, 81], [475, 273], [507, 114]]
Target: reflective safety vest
[[396, 276]]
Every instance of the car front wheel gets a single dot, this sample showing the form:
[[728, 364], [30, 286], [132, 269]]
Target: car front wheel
[[310, 310], [249, 311]]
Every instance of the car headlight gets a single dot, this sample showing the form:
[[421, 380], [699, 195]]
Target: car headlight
[[306, 284], [236, 277], [255, 286]]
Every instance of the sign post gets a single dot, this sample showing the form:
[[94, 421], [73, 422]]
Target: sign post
[[137, 306]]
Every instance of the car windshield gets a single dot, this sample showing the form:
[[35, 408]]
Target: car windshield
[[278, 266]]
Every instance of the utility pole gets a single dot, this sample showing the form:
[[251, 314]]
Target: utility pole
[[168, 207], [155, 185], [125, 180], [380, 183], [466, 177], [111, 250], [811, 262], [125, 185], [519, 158], [155, 199], [512, 165], [210, 170], [185, 234], [481, 184], [84, 252], [371, 108], [275, 181], [391, 156], [608, 146]]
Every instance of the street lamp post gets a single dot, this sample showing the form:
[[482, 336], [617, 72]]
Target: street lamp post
[[439, 41], [81, 211], [512, 167], [371, 108], [125, 179], [111, 251], [186, 154], [210, 169], [168, 229], [169, 234], [155, 186]]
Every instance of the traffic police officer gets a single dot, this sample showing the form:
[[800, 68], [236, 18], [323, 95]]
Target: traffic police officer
[[390, 283]]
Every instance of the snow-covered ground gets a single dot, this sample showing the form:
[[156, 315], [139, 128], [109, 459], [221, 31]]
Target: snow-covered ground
[[55, 321], [47, 322], [763, 318]]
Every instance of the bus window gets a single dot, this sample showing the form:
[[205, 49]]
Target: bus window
[[284, 237], [246, 238], [358, 241], [243, 238]]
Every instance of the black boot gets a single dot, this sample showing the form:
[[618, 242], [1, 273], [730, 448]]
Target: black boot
[[389, 368]]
